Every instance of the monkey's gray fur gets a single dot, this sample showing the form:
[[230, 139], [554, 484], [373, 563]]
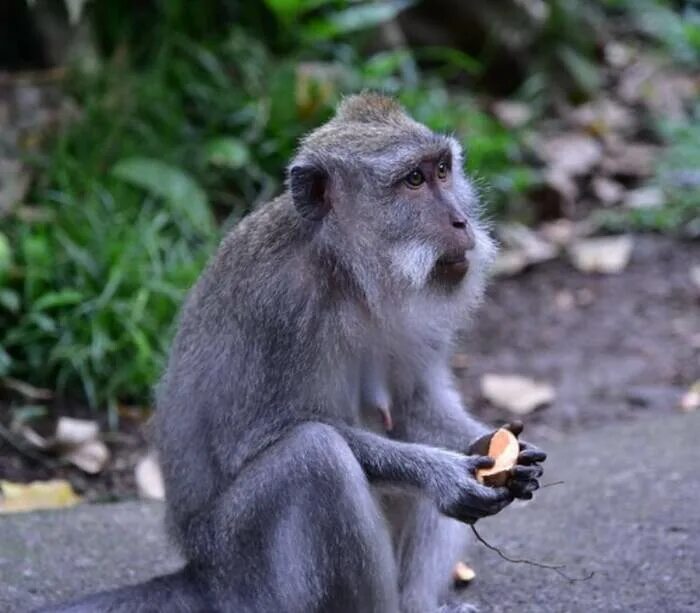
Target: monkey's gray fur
[[312, 441]]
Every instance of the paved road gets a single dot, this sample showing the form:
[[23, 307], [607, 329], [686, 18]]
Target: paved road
[[629, 510]]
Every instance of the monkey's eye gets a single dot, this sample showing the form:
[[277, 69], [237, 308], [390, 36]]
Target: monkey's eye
[[442, 169], [415, 178]]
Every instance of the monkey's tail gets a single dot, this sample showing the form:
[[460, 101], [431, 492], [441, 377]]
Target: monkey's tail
[[174, 593]]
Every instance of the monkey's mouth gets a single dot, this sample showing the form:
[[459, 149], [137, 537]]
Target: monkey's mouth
[[453, 264]]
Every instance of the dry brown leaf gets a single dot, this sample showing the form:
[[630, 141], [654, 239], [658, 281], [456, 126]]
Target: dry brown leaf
[[91, 456], [691, 399], [635, 79], [27, 390], [523, 247], [520, 237], [645, 198], [149, 479], [668, 92], [603, 116], [571, 154], [609, 192], [75, 440], [71, 431], [562, 232], [34, 438], [54, 494], [316, 84], [512, 114], [618, 55], [557, 193], [509, 262], [632, 160], [608, 255], [517, 394]]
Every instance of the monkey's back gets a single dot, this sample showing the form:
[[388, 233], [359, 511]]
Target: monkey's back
[[245, 363]]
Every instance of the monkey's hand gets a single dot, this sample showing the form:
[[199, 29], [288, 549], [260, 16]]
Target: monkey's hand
[[459, 495], [524, 476]]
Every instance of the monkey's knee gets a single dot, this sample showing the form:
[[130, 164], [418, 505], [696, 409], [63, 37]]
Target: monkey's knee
[[325, 455], [337, 502]]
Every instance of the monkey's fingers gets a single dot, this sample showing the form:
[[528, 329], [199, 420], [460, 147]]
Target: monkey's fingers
[[516, 427], [483, 461], [526, 472], [523, 481], [524, 489], [469, 514], [531, 455], [489, 500]]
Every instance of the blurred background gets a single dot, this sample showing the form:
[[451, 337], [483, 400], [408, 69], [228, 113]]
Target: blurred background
[[133, 133]]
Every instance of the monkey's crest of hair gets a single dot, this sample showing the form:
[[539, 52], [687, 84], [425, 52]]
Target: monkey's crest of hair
[[370, 107]]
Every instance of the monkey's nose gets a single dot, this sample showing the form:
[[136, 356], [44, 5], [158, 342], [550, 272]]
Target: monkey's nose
[[466, 235]]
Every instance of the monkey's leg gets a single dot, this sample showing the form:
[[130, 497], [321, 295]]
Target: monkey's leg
[[298, 531], [428, 545]]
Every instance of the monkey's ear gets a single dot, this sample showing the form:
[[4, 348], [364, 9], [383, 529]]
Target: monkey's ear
[[308, 185]]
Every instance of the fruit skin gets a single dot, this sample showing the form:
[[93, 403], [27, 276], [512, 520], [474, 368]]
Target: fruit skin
[[505, 455], [481, 445]]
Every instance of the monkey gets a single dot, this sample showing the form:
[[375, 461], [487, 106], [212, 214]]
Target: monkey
[[314, 446]]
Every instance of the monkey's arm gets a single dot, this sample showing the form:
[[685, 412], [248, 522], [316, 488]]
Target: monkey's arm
[[445, 476], [435, 416]]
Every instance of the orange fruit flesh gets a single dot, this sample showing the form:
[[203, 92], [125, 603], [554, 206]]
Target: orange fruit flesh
[[504, 449]]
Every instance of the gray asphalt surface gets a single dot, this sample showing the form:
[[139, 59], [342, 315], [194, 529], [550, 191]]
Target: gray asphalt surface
[[629, 510]]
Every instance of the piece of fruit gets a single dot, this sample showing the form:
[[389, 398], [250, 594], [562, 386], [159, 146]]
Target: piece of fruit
[[462, 575], [504, 448]]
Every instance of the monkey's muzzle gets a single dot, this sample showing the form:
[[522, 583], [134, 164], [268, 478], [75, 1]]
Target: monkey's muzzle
[[454, 265]]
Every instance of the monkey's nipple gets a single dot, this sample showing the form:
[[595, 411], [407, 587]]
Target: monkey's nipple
[[387, 421]]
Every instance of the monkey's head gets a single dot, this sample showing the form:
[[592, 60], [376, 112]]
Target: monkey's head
[[390, 198]]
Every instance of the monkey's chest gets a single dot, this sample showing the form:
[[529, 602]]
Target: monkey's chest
[[376, 394]]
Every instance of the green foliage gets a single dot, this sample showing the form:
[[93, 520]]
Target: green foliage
[[678, 175], [178, 135], [179, 191], [354, 18], [677, 32], [181, 132]]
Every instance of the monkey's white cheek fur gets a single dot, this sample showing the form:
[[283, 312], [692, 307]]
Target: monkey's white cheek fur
[[486, 248], [414, 261]]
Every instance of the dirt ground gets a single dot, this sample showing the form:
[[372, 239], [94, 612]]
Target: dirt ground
[[614, 347]]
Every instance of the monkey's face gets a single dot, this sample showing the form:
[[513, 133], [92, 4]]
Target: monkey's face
[[413, 198], [395, 192], [429, 225]]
